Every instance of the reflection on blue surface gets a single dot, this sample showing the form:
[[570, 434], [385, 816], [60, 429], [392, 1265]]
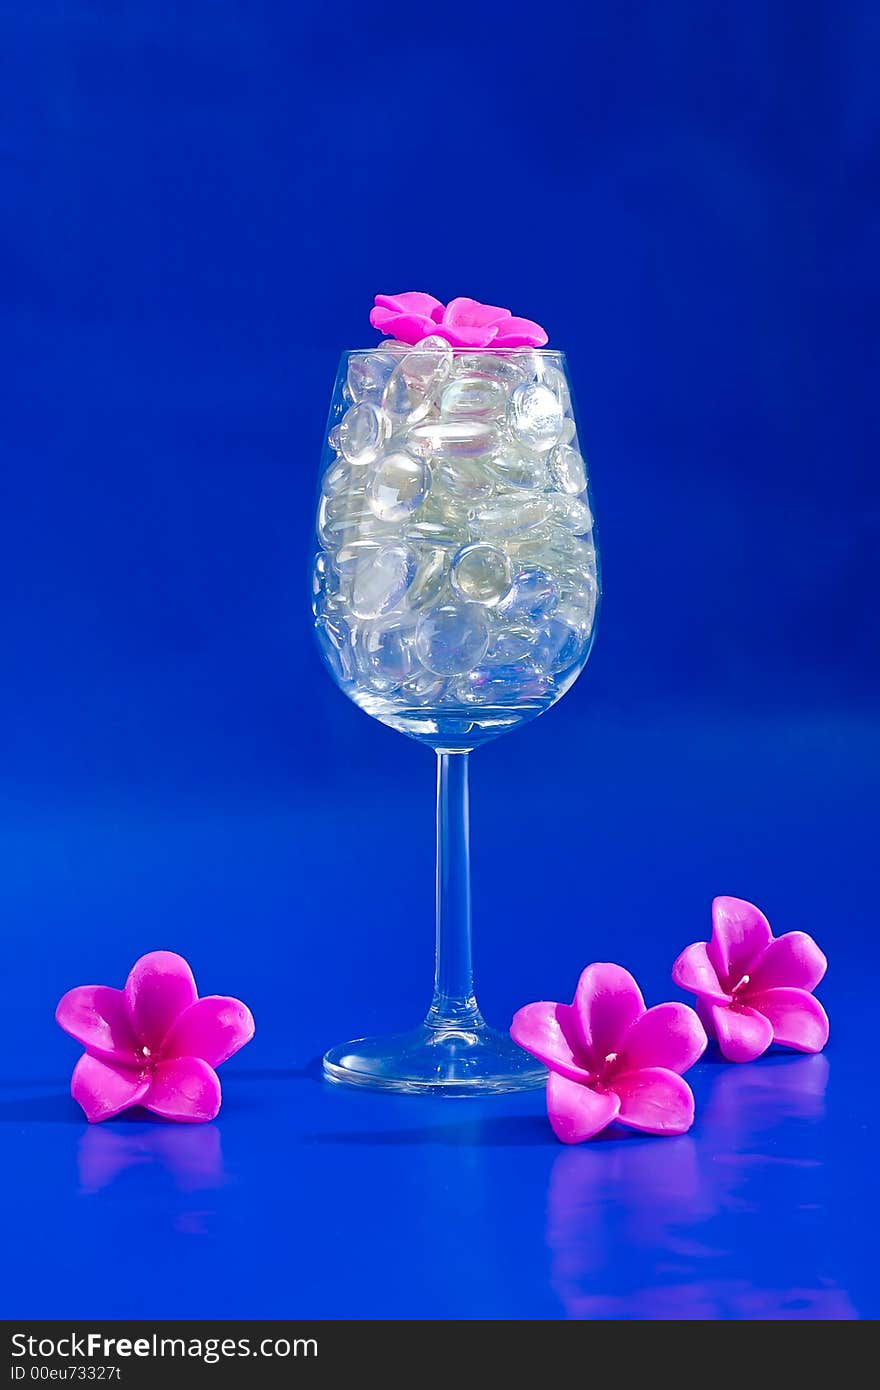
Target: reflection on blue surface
[[190, 1155], [693, 1215], [455, 1209]]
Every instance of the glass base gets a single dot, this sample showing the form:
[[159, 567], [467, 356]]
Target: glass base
[[460, 1060]]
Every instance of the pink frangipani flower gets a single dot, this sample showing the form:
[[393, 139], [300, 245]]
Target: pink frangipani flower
[[154, 1043], [610, 1058], [464, 323], [753, 988]]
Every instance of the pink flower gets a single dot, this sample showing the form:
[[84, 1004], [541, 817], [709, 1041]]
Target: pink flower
[[753, 988], [610, 1058], [465, 323], [154, 1043]]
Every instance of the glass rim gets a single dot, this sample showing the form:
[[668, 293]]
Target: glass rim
[[488, 351]]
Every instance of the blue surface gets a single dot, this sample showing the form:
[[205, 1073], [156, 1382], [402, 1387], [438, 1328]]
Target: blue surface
[[198, 205]]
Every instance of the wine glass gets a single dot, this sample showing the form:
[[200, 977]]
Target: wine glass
[[455, 591]]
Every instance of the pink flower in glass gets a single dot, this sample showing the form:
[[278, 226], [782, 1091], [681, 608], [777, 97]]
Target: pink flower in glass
[[464, 323], [408, 317], [610, 1058], [154, 1043], [753, 988]]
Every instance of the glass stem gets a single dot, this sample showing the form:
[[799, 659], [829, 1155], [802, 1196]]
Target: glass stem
[[453, 1004]]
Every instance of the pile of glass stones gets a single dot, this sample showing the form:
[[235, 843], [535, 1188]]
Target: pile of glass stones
[[457, 566]]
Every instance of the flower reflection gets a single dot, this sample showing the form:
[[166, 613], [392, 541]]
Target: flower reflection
[[617, 1227], [752, 1100], [723, 1223], [192, 1156]]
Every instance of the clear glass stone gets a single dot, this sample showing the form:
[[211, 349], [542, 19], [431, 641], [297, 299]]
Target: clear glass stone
[[369, 527], [424, 688], [382, 580], [579, 553], [333, 605], [333, 438], [386, 654], [452, 639], [447, 506], [549, 375], [465, 479], [511, 517], [580, 602], [572, 513], [337, 478], [533, 596], [328, 605], [354, 550], [439, 346], [473, 398], [481, 574], [513, 470], [507, 371], [430, 577], [397, 486], [362, 432], [509, 643], [348, 512], [325, 579], [322, 525], [368, 374], [413, 386], [453, 439], [561, 641], [535, 416], [436, 530], [534, 547], [567, 470], [568, 434], [401, 403], [580, 593], [335, 640], [500, 685]]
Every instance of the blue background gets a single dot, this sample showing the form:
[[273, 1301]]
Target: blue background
[[198, 203]]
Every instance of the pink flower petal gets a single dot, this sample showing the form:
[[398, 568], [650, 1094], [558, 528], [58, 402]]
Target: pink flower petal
[[213, 1028], [97, 1016], [694, 971], [104, 1090], [514, 332], [407, 328], [669, 1036], [159, 987], [742, 1033], [655, 1100], [606, 1002], [470, 313], [575, 1112], [384, 319], [796, 1017], [792, 960], [411, 302], [184, 1088], [459, 335], [543, 1029], [704, 1014], [740, 934]]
